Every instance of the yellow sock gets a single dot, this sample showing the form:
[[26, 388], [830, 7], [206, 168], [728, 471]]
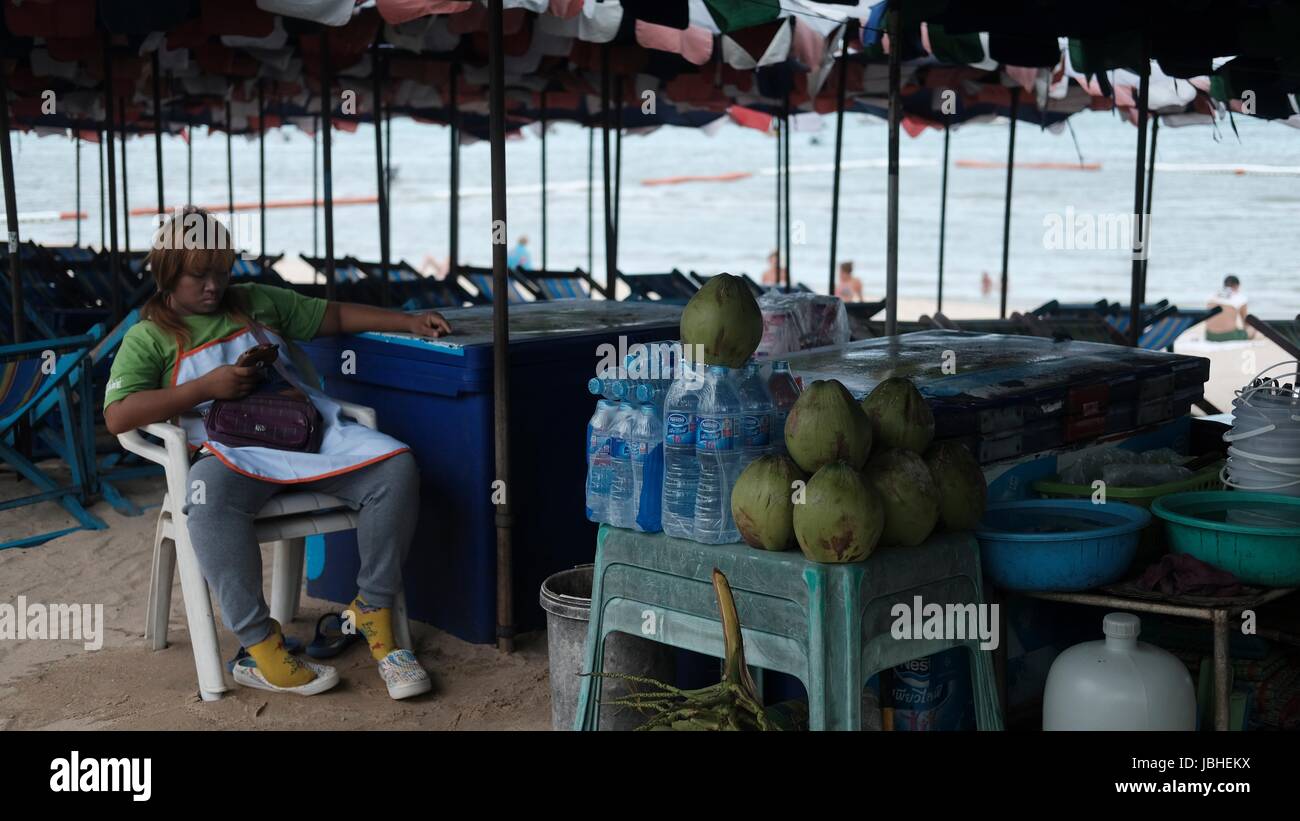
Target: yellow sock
[[376, 624], [276, 663]]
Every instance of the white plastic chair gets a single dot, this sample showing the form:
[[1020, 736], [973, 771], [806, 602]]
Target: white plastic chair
[[285, 522]]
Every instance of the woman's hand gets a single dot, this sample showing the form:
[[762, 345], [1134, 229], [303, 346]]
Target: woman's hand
[[230, 382], [429, 323]]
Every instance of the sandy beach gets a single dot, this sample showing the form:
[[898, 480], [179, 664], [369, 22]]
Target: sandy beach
[[124, 685]]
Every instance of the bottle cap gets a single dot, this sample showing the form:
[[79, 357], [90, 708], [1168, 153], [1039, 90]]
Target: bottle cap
[[595, 386], [1121, 625]]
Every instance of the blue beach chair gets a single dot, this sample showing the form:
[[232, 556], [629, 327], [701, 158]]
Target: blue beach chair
[[1285, 333], [575, 284], [481, 280], [672, 286]]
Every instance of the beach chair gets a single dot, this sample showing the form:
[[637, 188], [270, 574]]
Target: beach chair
[[1013, 326], [285, 522], [1101, 307], [46, 392], [1284, 333], [754, 288], [345, 270], [575, 284], [250, 269], [480, 279], [673, 286], [874, 329], [1162, 323]]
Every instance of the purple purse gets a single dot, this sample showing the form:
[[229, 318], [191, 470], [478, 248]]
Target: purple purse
[[267, 418]]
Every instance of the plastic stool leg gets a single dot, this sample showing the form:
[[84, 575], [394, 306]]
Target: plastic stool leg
[[984, 684], [834, 679]]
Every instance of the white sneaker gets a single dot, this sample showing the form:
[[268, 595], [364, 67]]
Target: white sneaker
[[404, 675], [247, 674]]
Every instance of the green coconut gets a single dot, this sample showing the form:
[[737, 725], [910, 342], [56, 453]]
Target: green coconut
[[840, 519], [724, 321], [907, 493], [900, 416], [761, 502], [827, 425], [963, 491]]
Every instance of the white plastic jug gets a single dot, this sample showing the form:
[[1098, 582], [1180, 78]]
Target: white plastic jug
[[1118, 684]]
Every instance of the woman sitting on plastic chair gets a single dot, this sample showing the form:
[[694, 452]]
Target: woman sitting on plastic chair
[[180, 358]]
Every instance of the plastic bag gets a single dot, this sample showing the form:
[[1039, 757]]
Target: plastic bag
[[800, 321]]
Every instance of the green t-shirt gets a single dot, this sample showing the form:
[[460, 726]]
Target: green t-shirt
[[148, 353]]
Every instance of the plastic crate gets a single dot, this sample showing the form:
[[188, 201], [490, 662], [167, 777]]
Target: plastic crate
[[1205, 479]]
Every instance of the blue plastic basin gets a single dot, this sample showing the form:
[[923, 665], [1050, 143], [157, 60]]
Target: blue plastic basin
[[1059, 545]]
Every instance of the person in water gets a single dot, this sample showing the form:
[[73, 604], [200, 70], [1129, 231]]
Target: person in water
[[182, 356], [1230, 323]]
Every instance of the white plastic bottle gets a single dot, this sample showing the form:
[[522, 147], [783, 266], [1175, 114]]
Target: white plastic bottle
[[622, 493], [717, 447], [1118, 684], [599, 465], [785, 392], [647, 448], [681, 467], [756, 411]]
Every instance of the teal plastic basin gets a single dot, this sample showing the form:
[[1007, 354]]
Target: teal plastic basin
[[1254, 536]]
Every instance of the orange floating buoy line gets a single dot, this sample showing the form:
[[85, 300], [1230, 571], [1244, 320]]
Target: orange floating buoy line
[[253, 206], [1047, 166], [728, 177]]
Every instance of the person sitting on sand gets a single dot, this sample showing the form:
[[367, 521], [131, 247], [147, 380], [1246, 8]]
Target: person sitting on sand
[[1230, 323], [183, 355], [848, 287], [773, 275]]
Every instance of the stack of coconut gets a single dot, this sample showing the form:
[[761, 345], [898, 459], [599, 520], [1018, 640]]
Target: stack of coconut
[[858, 476]]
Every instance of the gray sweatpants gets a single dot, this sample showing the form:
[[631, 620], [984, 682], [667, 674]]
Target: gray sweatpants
[[221, 530]]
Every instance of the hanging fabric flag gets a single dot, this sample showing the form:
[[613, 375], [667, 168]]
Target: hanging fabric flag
[[734, 15]]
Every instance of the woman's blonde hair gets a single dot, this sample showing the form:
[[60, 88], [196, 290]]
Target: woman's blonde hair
[[191, 239]]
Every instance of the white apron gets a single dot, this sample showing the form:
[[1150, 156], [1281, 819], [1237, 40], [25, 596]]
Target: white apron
[[345, 445]]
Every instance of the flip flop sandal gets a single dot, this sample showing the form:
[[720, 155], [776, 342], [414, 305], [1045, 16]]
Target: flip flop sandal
[[247, 674], [330, 639], [293, 645]]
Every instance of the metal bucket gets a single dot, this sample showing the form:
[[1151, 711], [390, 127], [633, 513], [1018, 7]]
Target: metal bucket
[[566, 598]]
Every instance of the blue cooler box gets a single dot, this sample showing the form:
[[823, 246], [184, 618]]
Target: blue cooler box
[[436, 395]]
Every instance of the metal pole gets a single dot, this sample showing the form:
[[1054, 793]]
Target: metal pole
[[189, 164], [618, 165], [453, 212], [500, 330], [780, 136], [943, 215], [611, 269], [895, 117], [230, 165], [789, 246], [327, 160], [261, 173], [591, 210], [1006, 206], [103, 212], [839, 152], [381, 195], [158, 132], [1138, 290], [11, 214], [126, 201], [1151, 180], [78, 204], [543, 123], [114, 272], [315, 193]]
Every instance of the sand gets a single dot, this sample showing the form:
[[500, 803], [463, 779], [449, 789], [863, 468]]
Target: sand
[[59, 684]]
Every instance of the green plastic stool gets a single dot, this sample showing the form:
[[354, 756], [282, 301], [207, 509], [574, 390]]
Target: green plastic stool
[[826, 624]]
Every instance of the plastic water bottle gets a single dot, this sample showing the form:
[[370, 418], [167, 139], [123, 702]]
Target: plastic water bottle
[[681, 467], [756, 411], [622, 490], [601, 386], [784, 391], [599, 464], [717, 446], [647, 447]]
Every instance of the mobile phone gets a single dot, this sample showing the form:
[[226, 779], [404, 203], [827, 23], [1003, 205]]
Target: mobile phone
[[259, 356]]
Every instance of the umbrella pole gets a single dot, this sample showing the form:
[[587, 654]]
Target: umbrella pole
[[1151, 180], [453, 233], [230, 165], [611, 267], [591, 196], [1138, 290], [189, 165], [103, 213], [126, 201], [327, 161], [11, 214], [543, 123], [261, 174], [943, 215], [381, 183], [110, 127], [78, 204], [895, 116], [839, 153], [315, 196], [780, 135], [618, 166], [500, 330], [789, 247], [158, 132], [1006, 206]]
